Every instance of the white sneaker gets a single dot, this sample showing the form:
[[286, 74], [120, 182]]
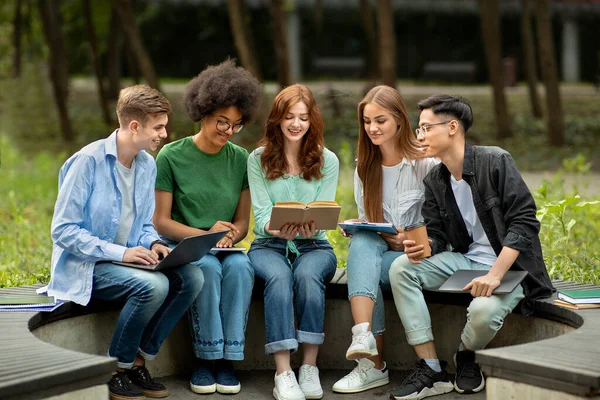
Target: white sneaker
[[286, 387], [364, 376], [363, 343], [308, 378]]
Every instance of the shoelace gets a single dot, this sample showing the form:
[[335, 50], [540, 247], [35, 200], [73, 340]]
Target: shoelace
[[418, 375], [360, 338], [289, 380], [308, 374], [468, 370], [144, 375], [360, 371], [122, 381]]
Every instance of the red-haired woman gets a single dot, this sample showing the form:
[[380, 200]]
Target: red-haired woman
[[295, 262]]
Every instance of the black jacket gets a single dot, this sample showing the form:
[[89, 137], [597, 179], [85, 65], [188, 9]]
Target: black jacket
[[505, 208]]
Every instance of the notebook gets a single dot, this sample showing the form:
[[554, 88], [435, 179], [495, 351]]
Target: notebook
[[580, 296], [31, 303], [462, 277], [216, 250], [188, 250], [352, 226]]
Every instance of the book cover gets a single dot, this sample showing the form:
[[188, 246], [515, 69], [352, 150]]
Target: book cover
[[580, 296], [216, 250], [566, 304], [324, 213]]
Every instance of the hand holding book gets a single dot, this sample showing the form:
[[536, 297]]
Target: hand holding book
[[325, 215]]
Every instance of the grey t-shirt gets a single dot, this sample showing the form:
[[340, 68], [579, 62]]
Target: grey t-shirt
[[125, 183]]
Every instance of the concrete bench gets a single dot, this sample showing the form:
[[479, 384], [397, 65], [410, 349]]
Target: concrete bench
[[339, 66], [522, 359], [450, 71]]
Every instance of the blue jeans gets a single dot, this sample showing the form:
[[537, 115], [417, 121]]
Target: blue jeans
[[218, 316], [369, 261], [298, 281], [485, 315], [154, 303]]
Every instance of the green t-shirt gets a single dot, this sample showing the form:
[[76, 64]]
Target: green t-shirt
[[206, 187]]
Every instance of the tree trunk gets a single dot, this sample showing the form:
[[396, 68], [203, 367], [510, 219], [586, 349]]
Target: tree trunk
[[368, 25], [114, 57], [51, 23], [16, 38], [242, 36], [95, 59], [529, 55], [284, 74], [387, 42], [134, 40], [549, 73], [489, 13]]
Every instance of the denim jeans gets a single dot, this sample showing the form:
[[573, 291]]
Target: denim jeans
[[299, 281], [218, 316], [485, 315], [154, 302], [369, 261]]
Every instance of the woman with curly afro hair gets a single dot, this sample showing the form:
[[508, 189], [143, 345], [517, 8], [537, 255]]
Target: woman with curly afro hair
[[295, 261], [201, 186]]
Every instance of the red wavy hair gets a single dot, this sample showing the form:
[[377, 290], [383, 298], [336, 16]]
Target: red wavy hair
[[310, 158]]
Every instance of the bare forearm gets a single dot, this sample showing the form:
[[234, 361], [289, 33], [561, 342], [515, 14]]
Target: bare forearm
[[174, 230], [505, 260]]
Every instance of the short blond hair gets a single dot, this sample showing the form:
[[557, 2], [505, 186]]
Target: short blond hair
[[137, 102]]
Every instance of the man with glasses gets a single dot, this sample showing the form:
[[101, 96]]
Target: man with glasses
[[480, 215]]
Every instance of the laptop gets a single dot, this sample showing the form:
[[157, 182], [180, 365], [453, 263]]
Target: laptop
[[188, 250], [462, 277]]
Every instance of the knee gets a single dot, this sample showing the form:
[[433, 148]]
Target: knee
[[241, 268], [485, 313], [279, 288], [400, 270], [154, 289], [194, 280]]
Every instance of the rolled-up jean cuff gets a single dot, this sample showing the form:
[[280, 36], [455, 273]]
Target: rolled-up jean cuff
[[120, 364], [234, 355], [310, 337], [287, 344], [379, 332], [469, 344], [146, 356], [364, 293], [419, 336]]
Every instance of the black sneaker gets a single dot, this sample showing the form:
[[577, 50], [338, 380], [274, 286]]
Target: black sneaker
[[141, 377], [469, 378], [121, 388], [423, 382]]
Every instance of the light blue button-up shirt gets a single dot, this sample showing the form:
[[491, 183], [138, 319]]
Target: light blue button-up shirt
[[87, 215]]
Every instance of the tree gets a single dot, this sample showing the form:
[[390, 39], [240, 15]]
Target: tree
[[242, 37], [387, 42], [489, 14], [284, 74], [113, 57], [556, 122], [95, 59], [368, 25], [16, 38], [529, 56], [51, 23], [133, 38]]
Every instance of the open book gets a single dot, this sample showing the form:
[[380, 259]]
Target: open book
[[324, 213]]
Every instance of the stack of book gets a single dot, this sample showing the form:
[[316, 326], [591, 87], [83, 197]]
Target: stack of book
[[33, 303], [579, 299]]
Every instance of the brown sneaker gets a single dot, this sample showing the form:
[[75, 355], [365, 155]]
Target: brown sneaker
[[140, 376]]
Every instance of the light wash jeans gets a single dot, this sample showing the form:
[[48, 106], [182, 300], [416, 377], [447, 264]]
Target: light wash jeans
[[485, 315], [299, 281], [154, 303], [219, 315], [368, 267]]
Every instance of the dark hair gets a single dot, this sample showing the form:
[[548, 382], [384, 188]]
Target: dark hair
[[455, 106], [369, 155], [222, 86], [273, 160], [139, 101]]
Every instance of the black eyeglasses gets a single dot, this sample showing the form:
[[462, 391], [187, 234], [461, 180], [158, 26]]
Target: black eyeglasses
[[223, 126], [423, 128]]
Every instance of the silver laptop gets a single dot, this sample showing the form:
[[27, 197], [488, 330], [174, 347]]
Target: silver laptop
[[462, 277], [188, 250]]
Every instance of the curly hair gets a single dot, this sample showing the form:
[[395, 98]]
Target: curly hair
[[310, 157], [369, 155], [222, 86]]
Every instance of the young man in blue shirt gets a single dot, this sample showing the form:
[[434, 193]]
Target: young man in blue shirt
[[103, 213], [480, 215]]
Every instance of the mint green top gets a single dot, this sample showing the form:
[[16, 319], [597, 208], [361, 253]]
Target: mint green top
[[266, 193], [206, 187]]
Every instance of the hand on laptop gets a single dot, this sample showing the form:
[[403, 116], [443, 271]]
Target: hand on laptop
[[161, 250], [229, 239], [483, 286], [141, 255]]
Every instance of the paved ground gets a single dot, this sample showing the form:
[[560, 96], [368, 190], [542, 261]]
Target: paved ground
[[259, 385]]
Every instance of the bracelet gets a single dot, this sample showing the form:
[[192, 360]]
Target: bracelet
[[158, 241]]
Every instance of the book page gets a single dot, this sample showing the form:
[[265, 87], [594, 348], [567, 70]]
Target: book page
[[323, 203]]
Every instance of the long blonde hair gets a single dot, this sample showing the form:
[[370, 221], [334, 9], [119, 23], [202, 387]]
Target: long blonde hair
[[369, 155]]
